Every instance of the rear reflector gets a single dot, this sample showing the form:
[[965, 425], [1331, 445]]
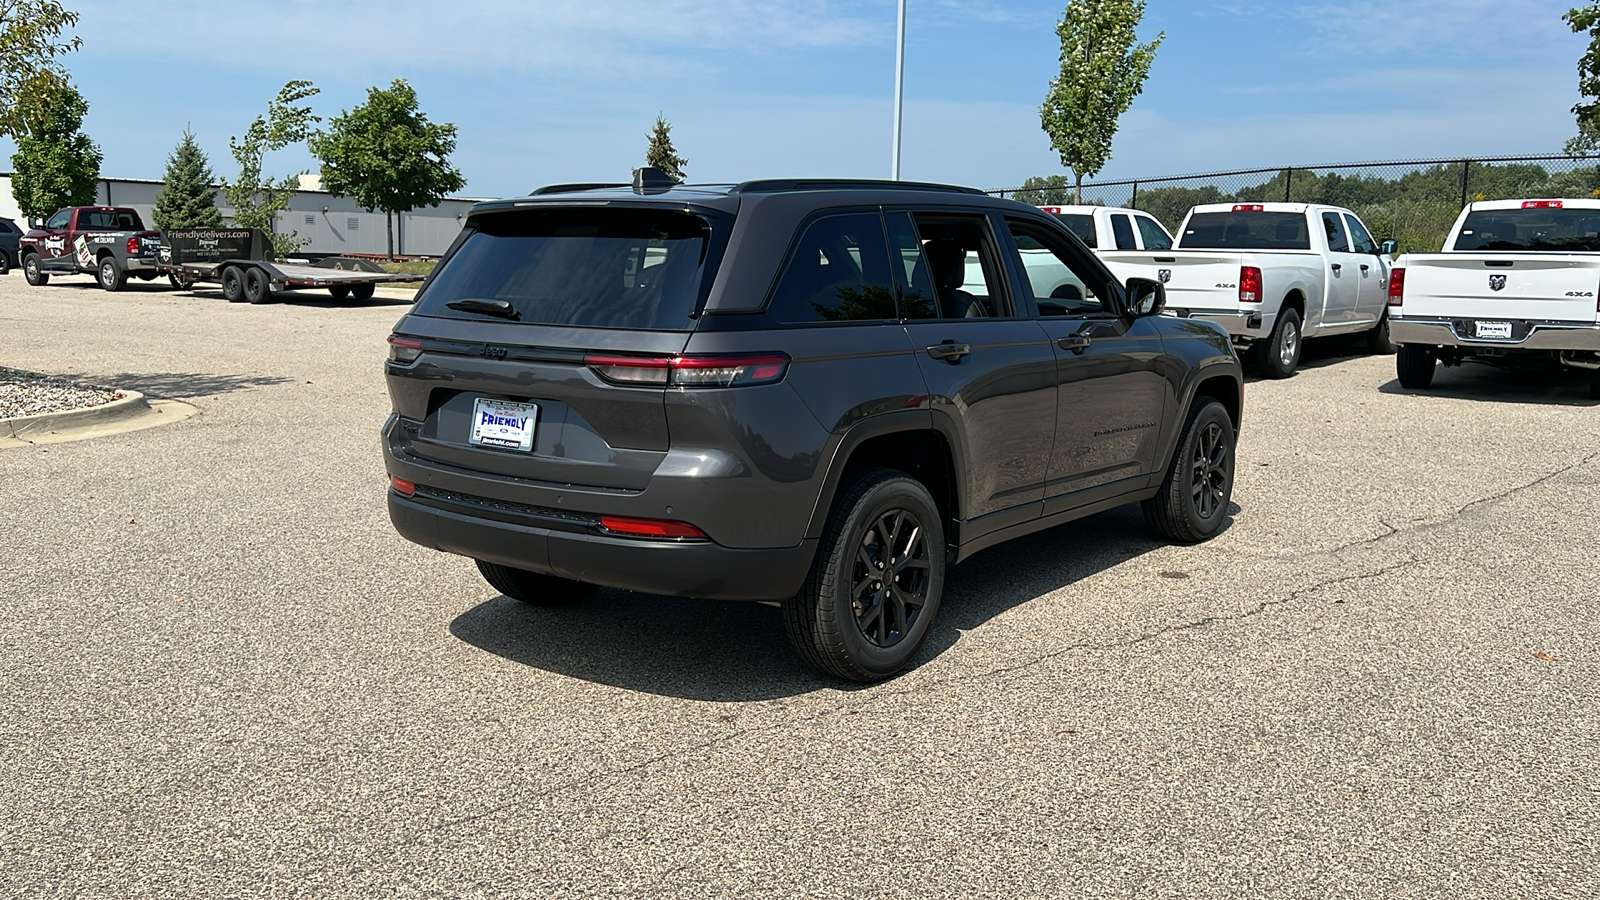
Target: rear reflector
[[651, 528], [1249, 207], [1397, 286], [404, 349], [1249, 284], [690, 371], [1541, 204], [402, 487]]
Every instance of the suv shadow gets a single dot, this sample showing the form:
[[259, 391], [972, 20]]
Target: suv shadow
[[732, 652]]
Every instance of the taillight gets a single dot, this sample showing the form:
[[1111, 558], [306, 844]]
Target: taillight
[[133, 245], [402, 487], [1541, 204], [1249, 284], [1249, 207], [404, 349], [690, 371], [1397, 286], [651, 528]]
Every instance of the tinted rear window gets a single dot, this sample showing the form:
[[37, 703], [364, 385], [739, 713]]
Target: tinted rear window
[[119, 219], [1531, 229], [1080, 225], [1246, 231], [604, 268]]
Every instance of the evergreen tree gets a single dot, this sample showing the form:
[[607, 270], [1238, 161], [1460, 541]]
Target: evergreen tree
[[188, 198], [55, 164], [661, 154]]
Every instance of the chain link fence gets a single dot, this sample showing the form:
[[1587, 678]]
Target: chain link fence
[[1415, 202]]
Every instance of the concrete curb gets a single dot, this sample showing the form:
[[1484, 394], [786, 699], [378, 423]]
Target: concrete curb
[[131, 405]]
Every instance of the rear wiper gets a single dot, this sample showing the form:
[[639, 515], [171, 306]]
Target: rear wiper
[[488, 307]]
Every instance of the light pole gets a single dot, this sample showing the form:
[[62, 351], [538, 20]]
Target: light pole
[[899, 89]]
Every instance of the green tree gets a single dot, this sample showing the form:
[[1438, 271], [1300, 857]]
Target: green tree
[[30, 41], [387, 155], [188, 197], [256, 199], [55, 164], [1102, 70], [1046, 190], [1587, 19], [661, 154]]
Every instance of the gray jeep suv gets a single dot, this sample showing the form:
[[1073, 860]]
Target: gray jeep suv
[[815, 393]]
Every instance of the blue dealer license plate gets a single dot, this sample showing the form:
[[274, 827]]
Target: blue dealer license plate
[[503, 424]]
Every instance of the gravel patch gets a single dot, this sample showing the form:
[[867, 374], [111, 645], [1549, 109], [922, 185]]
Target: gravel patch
[[30, 394]]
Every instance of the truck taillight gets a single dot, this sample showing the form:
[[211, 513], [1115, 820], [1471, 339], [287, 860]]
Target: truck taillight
[[1397, 286], [1249, 207], [1249, 284], [1541, 204], [133, 245], [690, 371]]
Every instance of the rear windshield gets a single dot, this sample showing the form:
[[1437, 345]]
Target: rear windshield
[[1246, 231], [603, 268], [119, 219], [1080, 225], [1531, 229]]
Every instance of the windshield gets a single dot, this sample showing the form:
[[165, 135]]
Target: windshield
[[1246, 231], [604, 268], [1080, 225], [1531, 229]]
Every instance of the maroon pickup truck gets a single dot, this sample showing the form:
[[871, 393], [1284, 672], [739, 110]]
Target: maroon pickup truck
[[109, 242]]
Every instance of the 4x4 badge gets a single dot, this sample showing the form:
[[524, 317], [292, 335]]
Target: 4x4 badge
[[1165, 275], [1497, 282]]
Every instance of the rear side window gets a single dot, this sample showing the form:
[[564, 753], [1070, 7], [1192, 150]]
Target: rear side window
[[1335, 229], [602, 268], [839, 272], [1155, 237], [1246, 231], [1122, 229], [6, 227]]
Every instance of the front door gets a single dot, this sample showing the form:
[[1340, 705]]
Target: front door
[[1111, 390], [1343, 273], [1374, 267], [988, 370], [54, 246]]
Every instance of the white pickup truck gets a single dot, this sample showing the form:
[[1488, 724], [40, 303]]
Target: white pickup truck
[[1271, 274], [1516, 278], [1112, 234]]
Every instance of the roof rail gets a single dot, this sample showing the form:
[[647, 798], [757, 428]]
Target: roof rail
[[777, 185], [578, 186]]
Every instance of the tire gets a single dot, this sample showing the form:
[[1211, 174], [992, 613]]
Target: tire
[[1279, 355], [257, 287], [340, 291], [110, 274], [1594, 384], [5, 263], [233, 284], [31, 271], [1414, 365], [1378, 340], [825, 622], [1192, 505], [363, 291], [534, 588]]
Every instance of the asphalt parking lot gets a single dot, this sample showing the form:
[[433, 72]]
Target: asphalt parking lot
[[225, 675]]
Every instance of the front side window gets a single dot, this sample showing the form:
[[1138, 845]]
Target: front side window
[[1155, 237], [1335, 230], [1360, 239], [839, 272], [1063, 283], [59, 220]]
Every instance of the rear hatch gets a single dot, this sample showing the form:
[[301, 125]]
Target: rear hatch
[[520, 342], [1517, 286], [1199, 281]]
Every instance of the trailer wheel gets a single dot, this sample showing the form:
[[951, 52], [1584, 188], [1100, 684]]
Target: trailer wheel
[[232, 284], [363, 291], [257, 287], [340, 291]]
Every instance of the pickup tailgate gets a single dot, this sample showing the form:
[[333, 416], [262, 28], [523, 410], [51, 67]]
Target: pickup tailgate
[[1531, 286], [1205, 282]]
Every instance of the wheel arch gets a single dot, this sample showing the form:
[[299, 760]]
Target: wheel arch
[[917, 442], [1294, 299]]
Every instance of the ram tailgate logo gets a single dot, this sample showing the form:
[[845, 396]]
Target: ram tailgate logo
[[1497, 282]]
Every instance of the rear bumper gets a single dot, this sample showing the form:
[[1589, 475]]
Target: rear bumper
[[1540, 335], [564, 548], [1241, 325], [140, 264]]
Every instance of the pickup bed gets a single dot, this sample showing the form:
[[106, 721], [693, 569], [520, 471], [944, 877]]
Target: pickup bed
[[1271, 274], [1516, 281], [108, 242]]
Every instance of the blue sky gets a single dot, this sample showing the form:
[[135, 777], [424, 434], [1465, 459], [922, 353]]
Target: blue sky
[[566, 90]]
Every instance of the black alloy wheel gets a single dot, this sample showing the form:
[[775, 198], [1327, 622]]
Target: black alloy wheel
[[32, 272], [1193, 503], [5, 263], [112, 278], [875, 585], [232, 284]]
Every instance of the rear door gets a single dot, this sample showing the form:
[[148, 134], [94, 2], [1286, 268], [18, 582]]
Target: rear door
[[988, 367], [1111, 389], [1343, 271]]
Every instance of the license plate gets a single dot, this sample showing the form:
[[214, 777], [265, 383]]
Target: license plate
[[503, 424], [1499, 330]]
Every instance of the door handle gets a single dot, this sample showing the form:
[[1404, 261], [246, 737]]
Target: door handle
[[949, 351], [1336, 267], [1077, 343], [1365, 267]]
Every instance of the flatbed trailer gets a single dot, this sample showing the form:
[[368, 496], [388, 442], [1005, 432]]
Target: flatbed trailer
[[240, 261]]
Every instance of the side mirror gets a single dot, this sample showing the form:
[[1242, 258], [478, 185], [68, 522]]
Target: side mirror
[[1146, 297], [1389, 247]]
